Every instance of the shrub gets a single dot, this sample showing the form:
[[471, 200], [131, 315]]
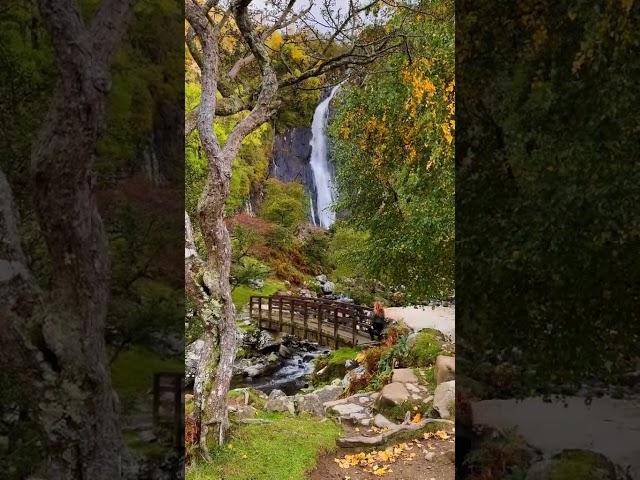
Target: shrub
[[284, 203], [428, 345]]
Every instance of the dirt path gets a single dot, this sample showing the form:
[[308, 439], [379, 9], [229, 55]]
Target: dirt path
[[420, 459], [440, 318]]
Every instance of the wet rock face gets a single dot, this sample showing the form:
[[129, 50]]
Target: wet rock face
[[291, 152]]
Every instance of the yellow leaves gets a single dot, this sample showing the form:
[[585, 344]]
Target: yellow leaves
[[360, 357], [417, 418], [446, 132], [440, 434], [379, 471], [275, 41]]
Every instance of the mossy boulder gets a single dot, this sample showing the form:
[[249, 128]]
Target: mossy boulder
[[574, 465], [425, 347], [332, 366]]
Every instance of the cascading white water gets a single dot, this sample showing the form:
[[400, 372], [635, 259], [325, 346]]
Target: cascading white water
[[322, 174]]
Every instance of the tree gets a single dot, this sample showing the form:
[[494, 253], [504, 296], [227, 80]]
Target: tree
[[54, 338], [211, 24], [392, 140], [284, 203]]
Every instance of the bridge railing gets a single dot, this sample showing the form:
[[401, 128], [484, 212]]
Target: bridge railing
[[336, 320]]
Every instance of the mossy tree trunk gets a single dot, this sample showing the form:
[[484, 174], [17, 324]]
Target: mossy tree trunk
[[56, 338]]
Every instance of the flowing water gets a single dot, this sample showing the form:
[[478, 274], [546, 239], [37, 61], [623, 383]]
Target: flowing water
[[320, 166]]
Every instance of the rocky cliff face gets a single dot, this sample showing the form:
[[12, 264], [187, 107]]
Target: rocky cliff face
[[290, 158]]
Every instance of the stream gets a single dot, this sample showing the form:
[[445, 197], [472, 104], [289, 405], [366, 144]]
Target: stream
[[291, 374]]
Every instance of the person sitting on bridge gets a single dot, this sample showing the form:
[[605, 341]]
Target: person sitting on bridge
[[378, 322]]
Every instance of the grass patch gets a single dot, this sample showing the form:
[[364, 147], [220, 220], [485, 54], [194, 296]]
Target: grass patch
[[427, 346], [334, 362], [132, 373], [286, 449], [242, 293], [396, 413], [427, 377]]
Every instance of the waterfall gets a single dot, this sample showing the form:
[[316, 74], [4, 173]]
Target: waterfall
[[322, 172]]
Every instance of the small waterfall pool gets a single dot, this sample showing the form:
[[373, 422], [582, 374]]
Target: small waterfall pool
[[320, 166]]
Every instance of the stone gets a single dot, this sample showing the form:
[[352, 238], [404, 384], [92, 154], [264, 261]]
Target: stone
[[381, 421], [347, 409], [594, 465], [444, 397], [352, 375], [404, 375], [272, 358], [255, 370], [321, 278], [285, 351], [429, 456], [328, 393], [342, 401], [328, 287], [256, 283], [350, 364], [413, 388], [322, 371], [310, 403], [336, 382], [393, 394], [191, 356], [246, 411], [445, 369], [279, 402]]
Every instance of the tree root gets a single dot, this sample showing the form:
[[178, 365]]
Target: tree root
[[362, 441]]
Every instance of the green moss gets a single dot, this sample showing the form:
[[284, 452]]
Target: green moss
[[334, 363], [285, 449], [427, 346], [427, 377], [581, 465], [242, 293]]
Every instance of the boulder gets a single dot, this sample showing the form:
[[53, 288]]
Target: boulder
[[328, 287], [582, 464], [328, 393], [348, 409], [445, 369], [381, 421], [279, 402], [191, 357], [352, 375], [350, 364], [393, 393], [245, 411], [272, 358], [310, 403], [285, 351], [444, 397], [321, 278], [404, 375], [255, 370]]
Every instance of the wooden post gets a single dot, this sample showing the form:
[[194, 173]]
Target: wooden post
[[354, 332], [319, 323], [306, 316], [270, 307], [293, 324], [250, 307], [259, 313], [280, 316], [335, 329]]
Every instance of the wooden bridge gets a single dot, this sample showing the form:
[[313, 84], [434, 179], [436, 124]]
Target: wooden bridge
[[324, 321]]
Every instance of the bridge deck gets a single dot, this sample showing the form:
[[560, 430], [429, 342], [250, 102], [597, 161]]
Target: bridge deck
[[324, 321]]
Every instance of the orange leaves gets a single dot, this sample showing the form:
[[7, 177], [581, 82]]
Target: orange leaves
[[378, 462], [440, 434]]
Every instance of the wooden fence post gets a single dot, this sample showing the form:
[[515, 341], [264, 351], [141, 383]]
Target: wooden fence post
[[259, 313], [270, 307], [354, 331], [306, 316], [280, 316], [250, 307], [319, 323], [335, 329], [293, 324]]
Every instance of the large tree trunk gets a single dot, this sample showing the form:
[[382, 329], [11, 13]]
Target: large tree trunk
[[59, 334]]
